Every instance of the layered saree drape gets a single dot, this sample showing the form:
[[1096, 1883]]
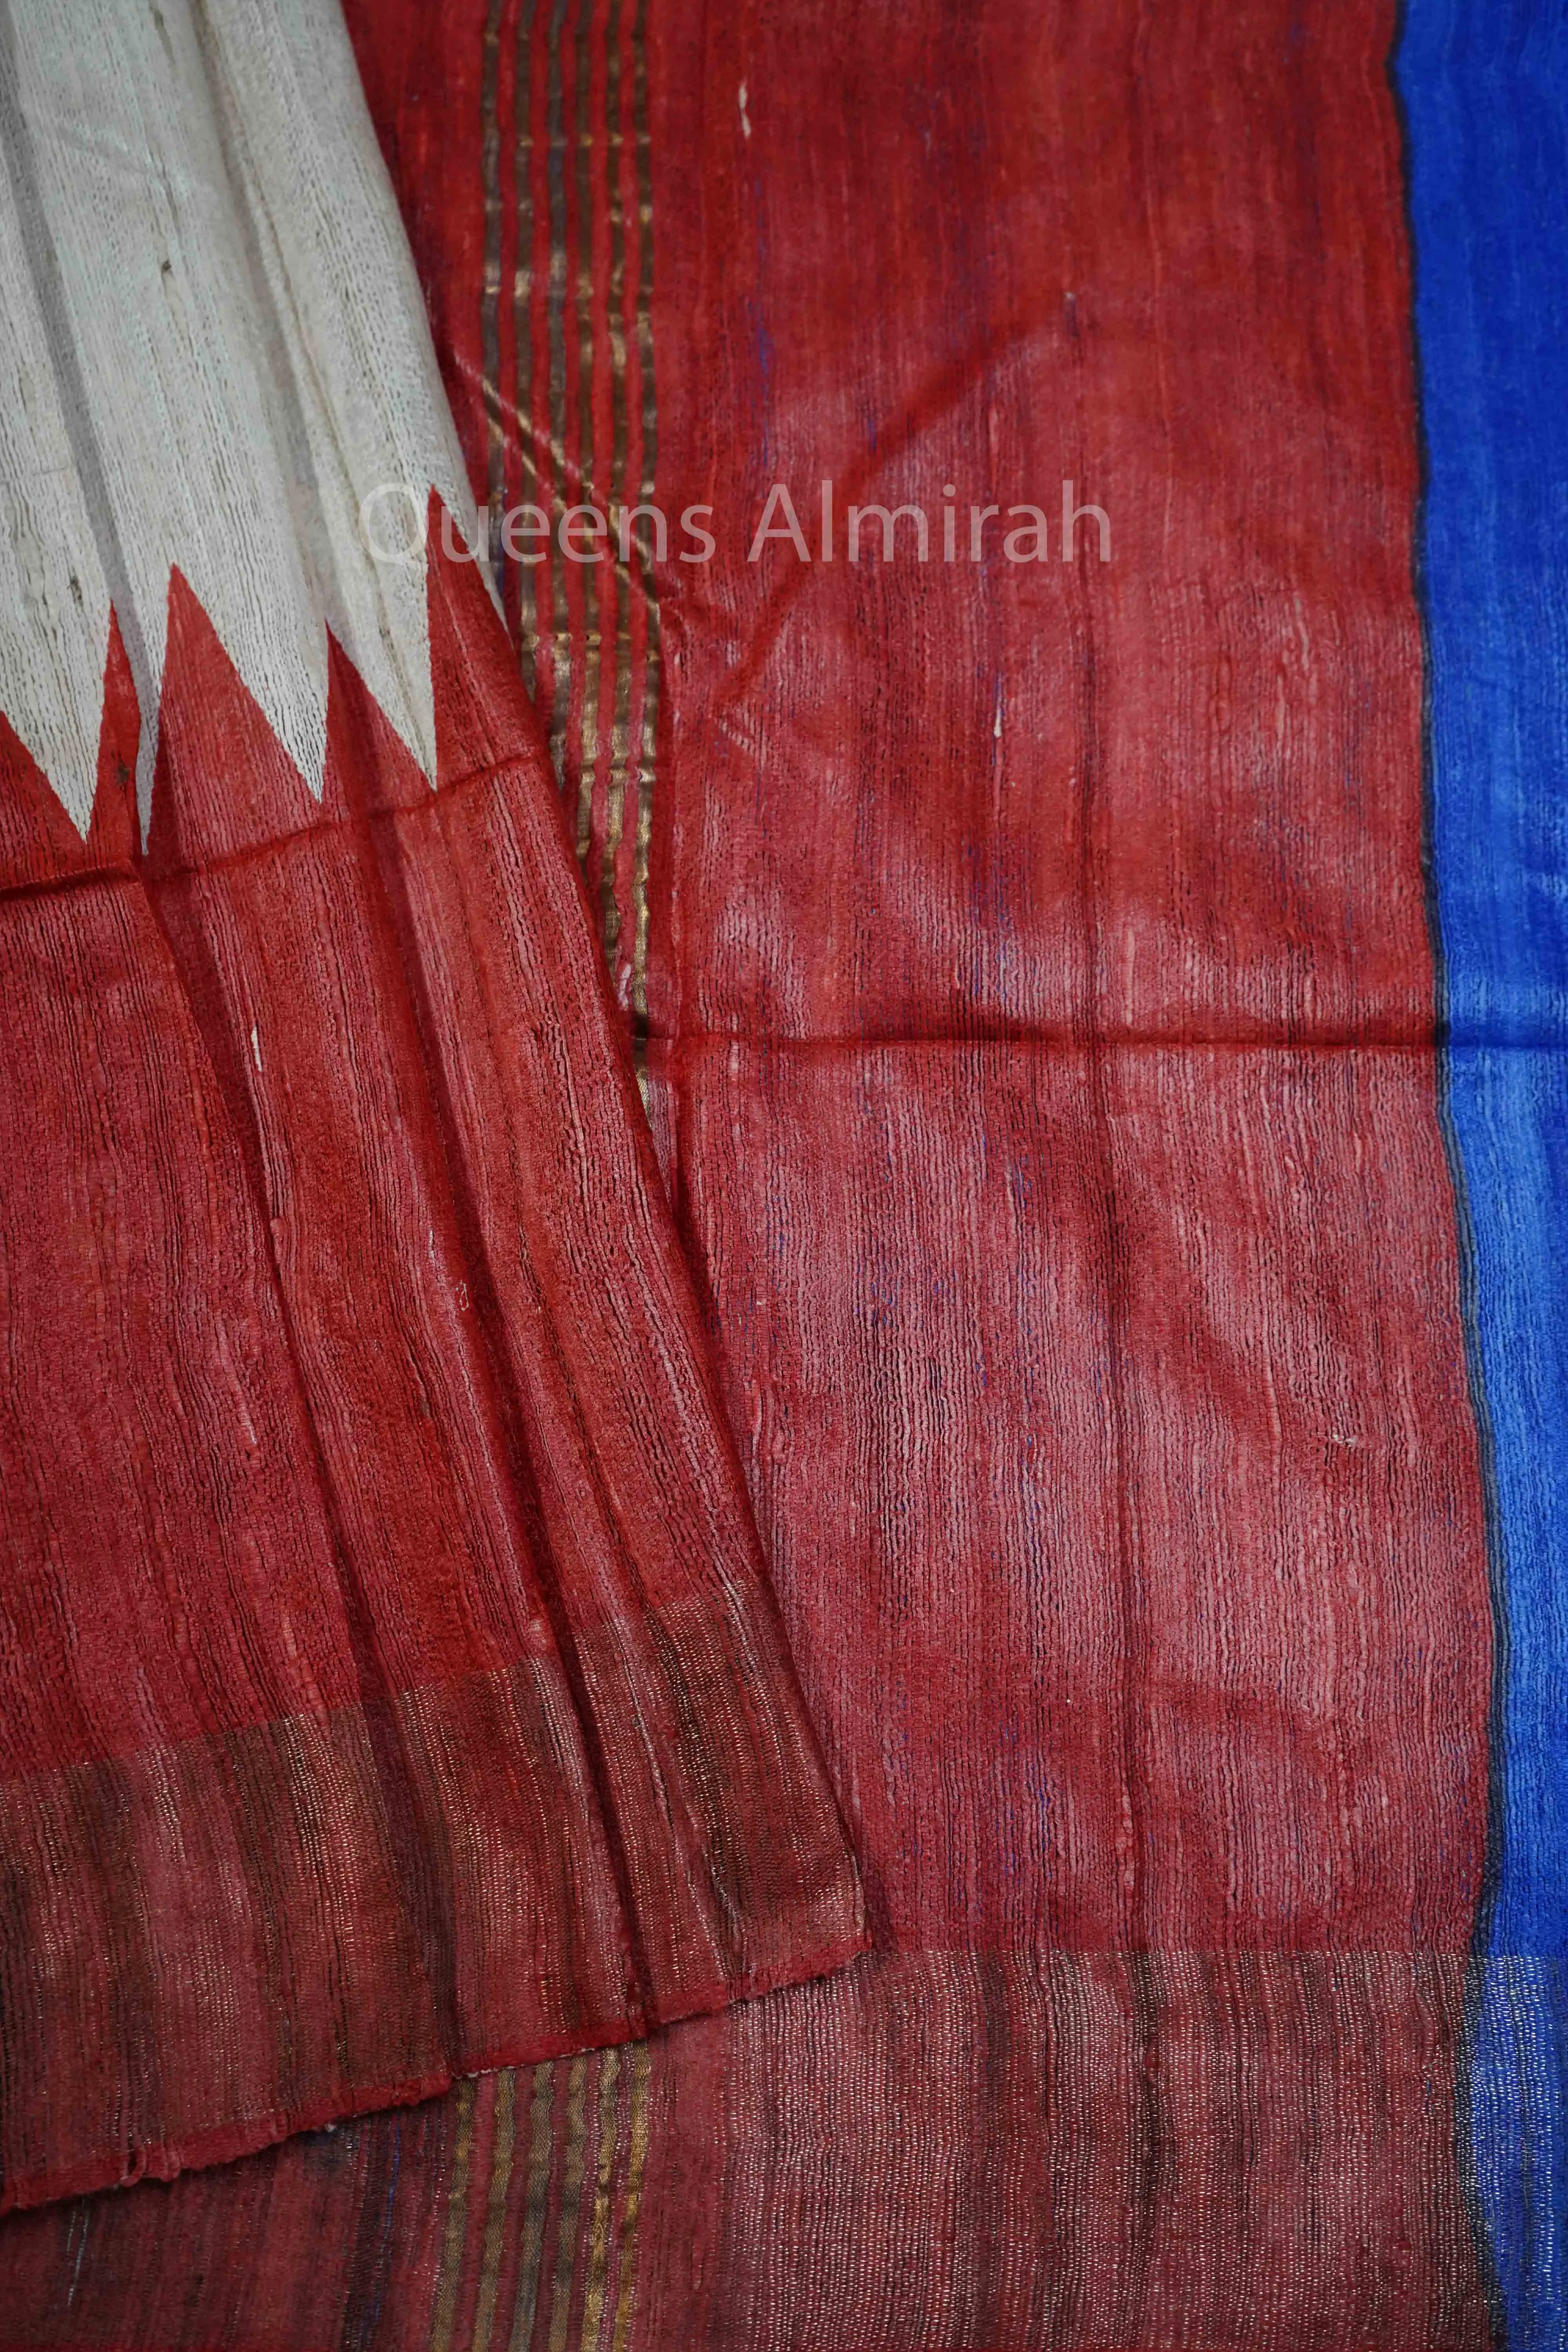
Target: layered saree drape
[[390, 1689], [1075, 1027]]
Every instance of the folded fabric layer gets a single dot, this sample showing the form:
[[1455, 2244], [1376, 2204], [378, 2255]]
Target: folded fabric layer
[[1030, 966], [1040, 1029], [389, 1686], [206, 1937], [979, 2150]]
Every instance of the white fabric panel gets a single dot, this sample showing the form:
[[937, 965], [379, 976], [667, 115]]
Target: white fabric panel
[[239, 349], [343, 289], [54, 599]]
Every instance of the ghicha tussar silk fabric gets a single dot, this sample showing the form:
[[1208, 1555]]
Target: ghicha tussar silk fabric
[[389, 1686], [1100, 1019]]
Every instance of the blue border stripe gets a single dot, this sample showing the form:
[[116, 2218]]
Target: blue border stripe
[[1484, 84]]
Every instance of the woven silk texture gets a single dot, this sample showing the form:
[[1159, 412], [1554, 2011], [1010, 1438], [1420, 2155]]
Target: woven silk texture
[[388, 1684], [1100, 1021]]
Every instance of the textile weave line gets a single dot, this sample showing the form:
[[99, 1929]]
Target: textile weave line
[[587, 135], [495, 2209], [565, 434], [522, 326], [615, 294], [495, 471], [576, 2233], [654, 643]]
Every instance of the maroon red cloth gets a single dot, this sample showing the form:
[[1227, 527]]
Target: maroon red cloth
[[1037, 1022], [391, 1689]]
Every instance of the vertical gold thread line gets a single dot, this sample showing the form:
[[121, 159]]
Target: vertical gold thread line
[[588, 735], [651, 678], [620, 724], [571, 2205], [522, 326], [446, 2303], [637, 2159], [555, 186], [599, 2226], [604, 2182], [495, 2215], [541, 2164], [489, 306]]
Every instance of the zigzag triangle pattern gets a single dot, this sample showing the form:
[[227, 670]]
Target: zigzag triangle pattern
[[394, 1691]]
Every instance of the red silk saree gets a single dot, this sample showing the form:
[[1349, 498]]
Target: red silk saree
[[1025, 959]]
